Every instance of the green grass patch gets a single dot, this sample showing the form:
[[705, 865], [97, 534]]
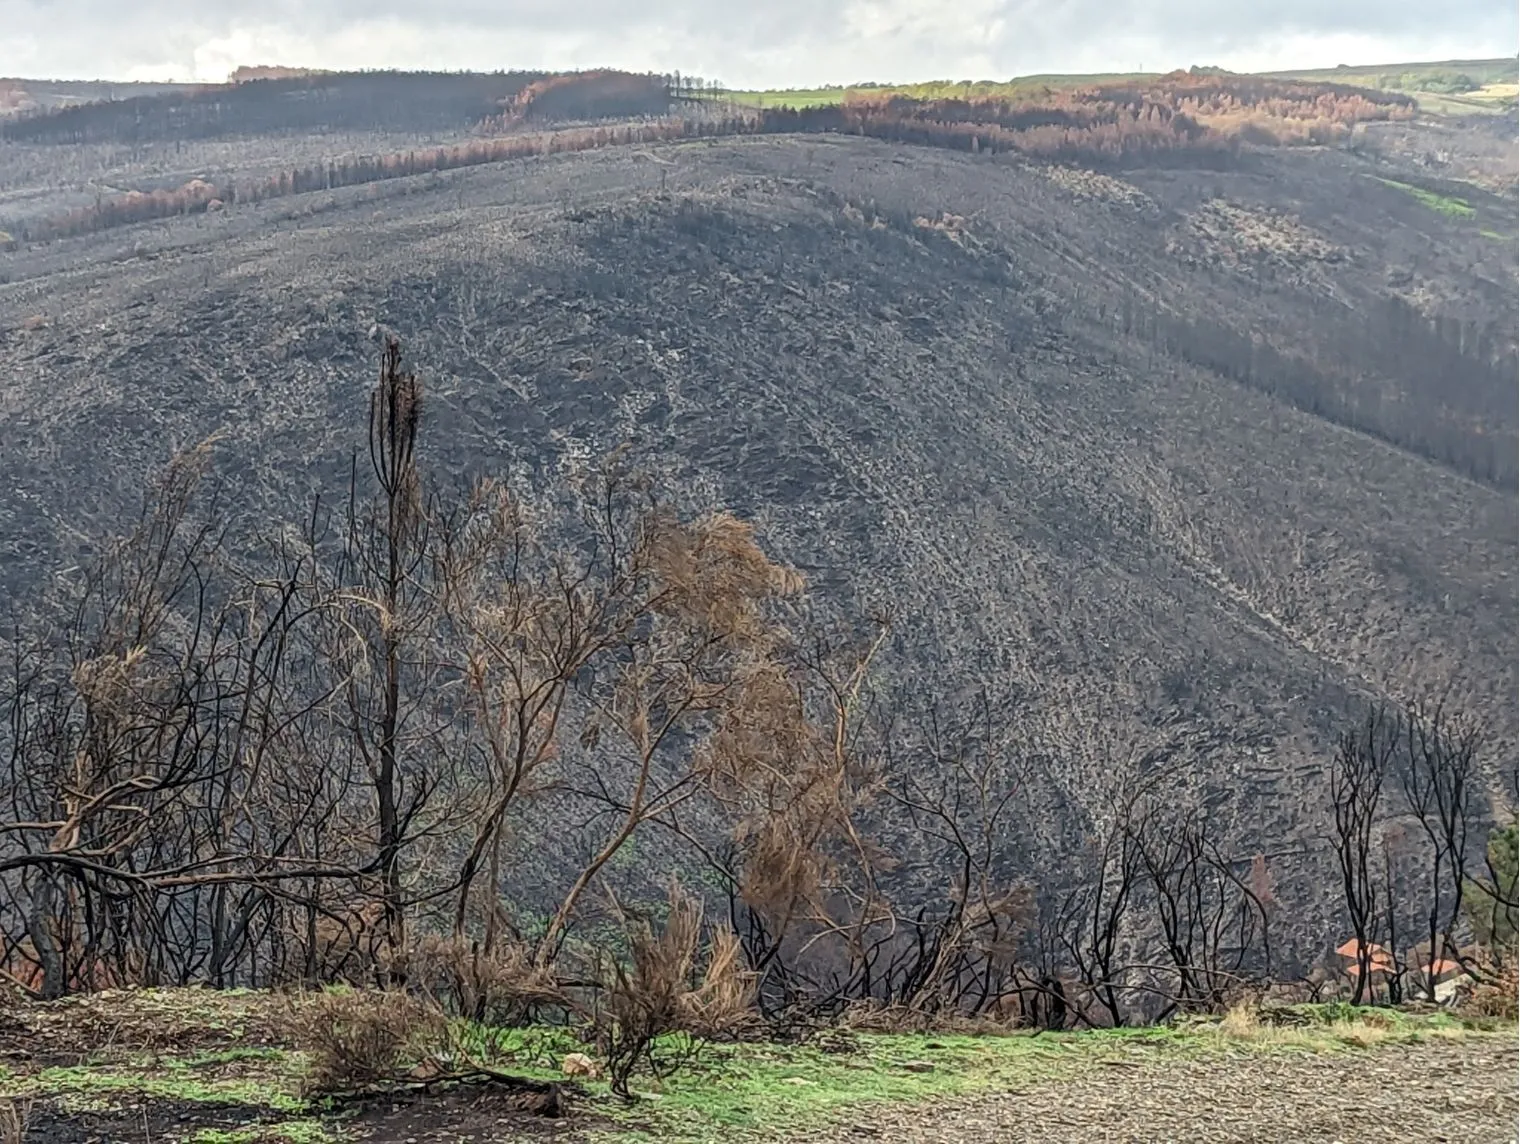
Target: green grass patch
[[1410, 76], [534, 1052], [1493, 100], [1455, 87], [179, 1080], [750, 1089], [1451, 87], [1441, 204], [737, 1092]]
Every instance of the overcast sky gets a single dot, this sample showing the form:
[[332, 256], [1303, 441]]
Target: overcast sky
[[767, 43]]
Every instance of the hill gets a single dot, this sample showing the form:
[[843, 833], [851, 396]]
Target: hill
[[1450, 87], [1446, 87], [1180, 462], [20, 96]]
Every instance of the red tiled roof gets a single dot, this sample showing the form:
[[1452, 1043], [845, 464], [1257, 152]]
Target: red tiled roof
[[1441, 967], [1349, 949]]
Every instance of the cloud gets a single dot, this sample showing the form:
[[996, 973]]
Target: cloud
[[777, 43]]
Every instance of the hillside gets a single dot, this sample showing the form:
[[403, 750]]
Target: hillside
[[1445, 87], [1184, 461], [1450, 87]]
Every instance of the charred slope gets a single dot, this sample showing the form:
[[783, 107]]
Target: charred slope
[[394, 101], [931, 379], [342, 101]]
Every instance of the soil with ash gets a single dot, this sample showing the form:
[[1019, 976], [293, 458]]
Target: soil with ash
[[470, 1113], [141, 1119]]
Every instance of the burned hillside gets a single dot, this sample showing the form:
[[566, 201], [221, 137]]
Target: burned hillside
[[1181, 464]]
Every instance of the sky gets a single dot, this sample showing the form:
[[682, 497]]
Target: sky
[[769, 43]]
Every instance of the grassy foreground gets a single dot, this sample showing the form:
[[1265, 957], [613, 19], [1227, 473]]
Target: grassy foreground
[[211, 1068], [757, 1091]]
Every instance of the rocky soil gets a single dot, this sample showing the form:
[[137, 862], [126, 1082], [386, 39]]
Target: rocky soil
[[1455, 1092]]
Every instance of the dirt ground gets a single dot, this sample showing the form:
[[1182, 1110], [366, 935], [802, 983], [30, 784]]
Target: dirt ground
[[1459, 1092]]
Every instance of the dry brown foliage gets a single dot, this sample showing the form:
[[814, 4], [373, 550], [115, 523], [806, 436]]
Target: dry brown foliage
[[500, 987], [666, 631], [341, 946], [196, 196], [1177, 115], [600, 94], [666, 988], [363, 1038], [14, 1116], [1497, 995]]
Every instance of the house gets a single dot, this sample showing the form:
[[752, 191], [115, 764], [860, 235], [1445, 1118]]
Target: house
[[1447, 977], [1379, 960]]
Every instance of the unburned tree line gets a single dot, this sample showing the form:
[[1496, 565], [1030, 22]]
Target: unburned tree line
[[459, 745]]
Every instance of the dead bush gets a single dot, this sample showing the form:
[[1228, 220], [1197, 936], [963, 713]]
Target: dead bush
[[662, 994], [501, 987], [1495, 996], [361, 1039], [14, 1117]]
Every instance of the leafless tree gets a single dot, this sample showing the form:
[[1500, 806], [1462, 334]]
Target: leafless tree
[[1213, 927], [150, 835], [1438, 774], [1094, 917], [320, 760], [963, 801], [1362, 761]]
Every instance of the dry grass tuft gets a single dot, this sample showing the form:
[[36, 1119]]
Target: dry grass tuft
[[1242, 1022], [1315, 1027], [875, 1017]]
